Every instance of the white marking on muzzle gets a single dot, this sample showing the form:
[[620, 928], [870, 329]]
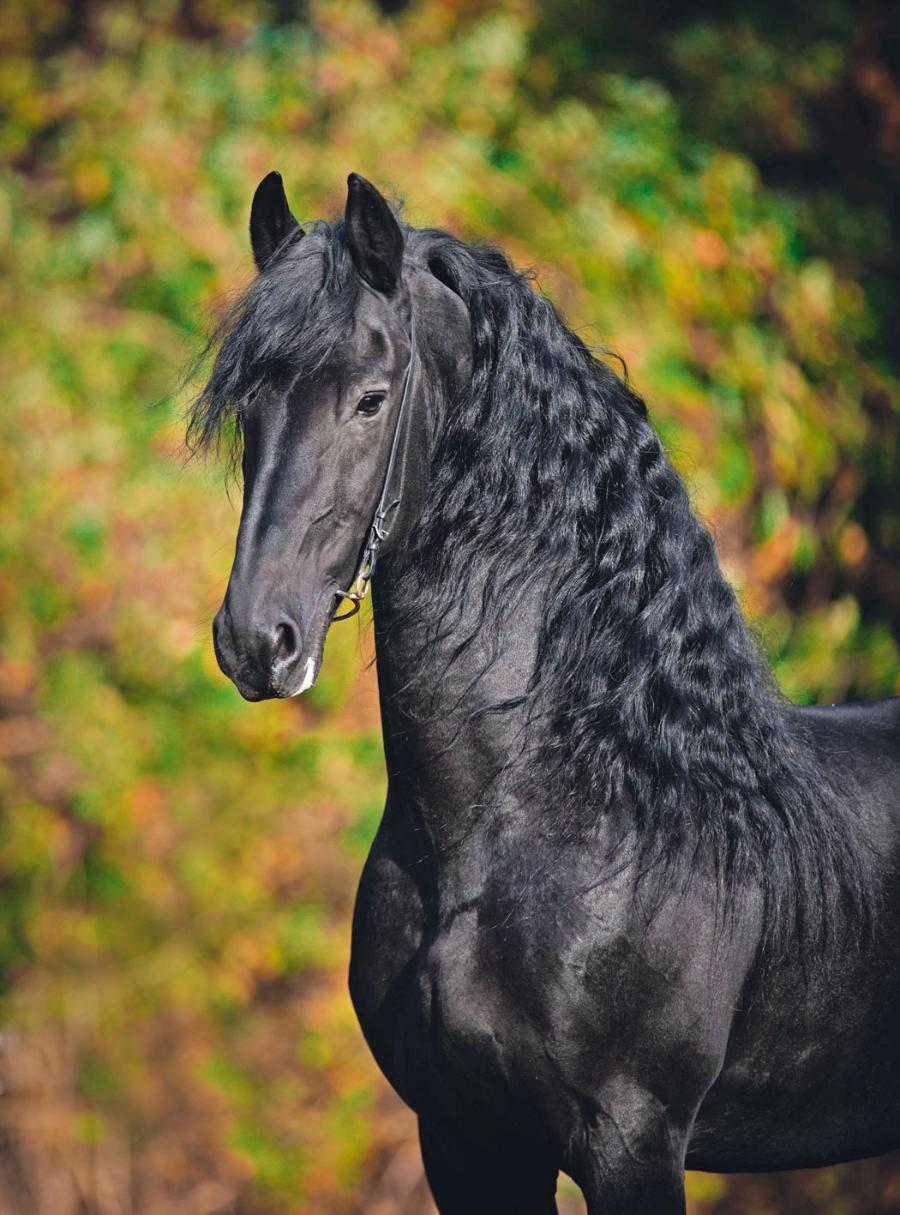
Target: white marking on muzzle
[[309, 678]]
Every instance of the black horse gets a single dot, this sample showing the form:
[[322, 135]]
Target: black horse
[[627, 910]]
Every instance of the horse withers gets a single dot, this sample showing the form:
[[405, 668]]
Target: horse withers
[[627, 911]]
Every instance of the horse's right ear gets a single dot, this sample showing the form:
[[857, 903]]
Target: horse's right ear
[[270, 219], [373, 235]]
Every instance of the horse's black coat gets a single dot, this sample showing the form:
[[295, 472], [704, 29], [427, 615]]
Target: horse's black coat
[[626, 910]]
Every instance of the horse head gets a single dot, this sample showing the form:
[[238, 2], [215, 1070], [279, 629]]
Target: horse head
[[333, 364]]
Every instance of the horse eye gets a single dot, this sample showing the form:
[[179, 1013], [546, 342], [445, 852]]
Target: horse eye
[[370, 403]]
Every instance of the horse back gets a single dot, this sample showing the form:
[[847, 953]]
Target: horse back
[[858, 746]]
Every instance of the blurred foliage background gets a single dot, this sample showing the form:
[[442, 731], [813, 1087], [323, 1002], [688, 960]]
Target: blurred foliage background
[[711, 189]]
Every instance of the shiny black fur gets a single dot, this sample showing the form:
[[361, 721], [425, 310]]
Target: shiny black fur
[[627, 909]]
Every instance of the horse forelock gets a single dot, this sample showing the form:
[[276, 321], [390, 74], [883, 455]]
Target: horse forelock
[[283, 325]]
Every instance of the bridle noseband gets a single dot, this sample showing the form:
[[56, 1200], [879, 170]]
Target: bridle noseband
[[378, 532]]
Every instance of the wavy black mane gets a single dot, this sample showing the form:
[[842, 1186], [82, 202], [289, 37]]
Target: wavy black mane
[[650, 688], [652, 691]]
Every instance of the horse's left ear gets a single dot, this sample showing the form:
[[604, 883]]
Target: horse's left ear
[[373, 234], [271, 219]]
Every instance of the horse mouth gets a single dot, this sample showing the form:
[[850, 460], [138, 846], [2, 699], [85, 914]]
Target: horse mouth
[[307, 669], [309, 678]]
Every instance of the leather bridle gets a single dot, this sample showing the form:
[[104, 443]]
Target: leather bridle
[[378, 532]]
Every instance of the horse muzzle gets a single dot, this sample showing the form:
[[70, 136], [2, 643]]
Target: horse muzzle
[[270, 653]]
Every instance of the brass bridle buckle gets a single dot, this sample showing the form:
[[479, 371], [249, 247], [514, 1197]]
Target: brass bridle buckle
[[360, 588], [355, 595]]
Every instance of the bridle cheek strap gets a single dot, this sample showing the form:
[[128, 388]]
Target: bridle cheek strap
[[378, 531]]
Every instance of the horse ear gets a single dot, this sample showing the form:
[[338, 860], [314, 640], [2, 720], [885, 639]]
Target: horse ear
[[373, 234], [270, 219]]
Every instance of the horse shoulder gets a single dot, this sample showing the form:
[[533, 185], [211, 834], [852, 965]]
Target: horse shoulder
[[389, 924]]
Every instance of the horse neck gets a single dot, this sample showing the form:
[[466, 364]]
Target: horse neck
[[449, 765]]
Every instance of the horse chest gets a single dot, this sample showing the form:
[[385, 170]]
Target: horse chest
[[482, 1002]]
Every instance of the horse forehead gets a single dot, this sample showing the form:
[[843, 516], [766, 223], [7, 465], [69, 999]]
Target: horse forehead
[[376, 337], [372, 337]]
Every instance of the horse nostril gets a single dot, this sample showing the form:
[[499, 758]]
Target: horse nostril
[[285, 643]]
